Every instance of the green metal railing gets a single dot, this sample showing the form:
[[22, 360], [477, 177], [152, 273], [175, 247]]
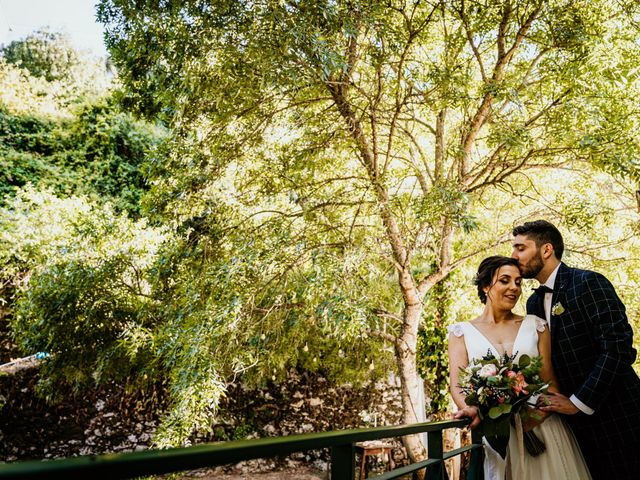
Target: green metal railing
[[341, 443]]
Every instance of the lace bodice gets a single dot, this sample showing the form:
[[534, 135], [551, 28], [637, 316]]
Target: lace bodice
[[477, 344]]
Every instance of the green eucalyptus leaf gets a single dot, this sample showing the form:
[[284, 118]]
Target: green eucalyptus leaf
[[495, 412], [524, 361]]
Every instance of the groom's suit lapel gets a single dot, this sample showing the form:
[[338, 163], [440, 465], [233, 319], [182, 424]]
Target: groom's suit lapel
[[535, 305], [559, 295]]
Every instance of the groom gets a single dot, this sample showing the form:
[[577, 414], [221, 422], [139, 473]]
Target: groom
[[592, 353]]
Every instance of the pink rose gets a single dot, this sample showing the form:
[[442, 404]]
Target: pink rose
[[489, 370]]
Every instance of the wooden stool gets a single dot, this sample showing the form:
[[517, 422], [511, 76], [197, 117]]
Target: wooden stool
[[367, 449]]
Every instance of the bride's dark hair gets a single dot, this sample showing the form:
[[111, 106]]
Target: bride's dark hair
[[487, 270]]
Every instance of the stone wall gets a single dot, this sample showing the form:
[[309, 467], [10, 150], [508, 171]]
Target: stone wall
[[101, 420], [308, 402], [109, 419]]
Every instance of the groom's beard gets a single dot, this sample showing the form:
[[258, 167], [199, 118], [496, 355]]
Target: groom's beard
[[534, 267]]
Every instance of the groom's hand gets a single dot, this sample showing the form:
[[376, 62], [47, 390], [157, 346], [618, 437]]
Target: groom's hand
[[470, 412], [556, 402]]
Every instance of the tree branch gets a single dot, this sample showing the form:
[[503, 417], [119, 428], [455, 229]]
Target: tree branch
[[504, 57], [474, 48], [381, 312], [385, 336]]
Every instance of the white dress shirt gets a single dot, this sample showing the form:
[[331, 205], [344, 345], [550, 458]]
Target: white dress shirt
[[548, 297]]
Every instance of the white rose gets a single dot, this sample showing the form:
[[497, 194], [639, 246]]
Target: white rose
[[488, 370]]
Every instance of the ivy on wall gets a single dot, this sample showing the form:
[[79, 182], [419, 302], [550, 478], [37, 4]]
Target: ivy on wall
[[432, 363]]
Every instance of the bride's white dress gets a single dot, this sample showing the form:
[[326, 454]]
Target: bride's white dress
[[562, 458]]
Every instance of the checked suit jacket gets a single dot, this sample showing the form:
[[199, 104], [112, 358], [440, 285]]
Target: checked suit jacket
[[592, 355]]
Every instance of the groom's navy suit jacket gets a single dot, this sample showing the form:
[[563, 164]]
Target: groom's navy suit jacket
[[592, 355]]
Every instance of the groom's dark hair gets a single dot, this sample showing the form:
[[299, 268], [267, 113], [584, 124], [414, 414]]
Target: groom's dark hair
[[541, 232]]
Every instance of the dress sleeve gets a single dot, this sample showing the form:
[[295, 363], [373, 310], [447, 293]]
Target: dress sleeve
[[456, 329], [541, 324]]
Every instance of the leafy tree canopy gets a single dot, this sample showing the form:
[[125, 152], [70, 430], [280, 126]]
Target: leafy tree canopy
[[49, 55], [44, 54], [82, 268], [343, 151], [66, 132], [99, 152]]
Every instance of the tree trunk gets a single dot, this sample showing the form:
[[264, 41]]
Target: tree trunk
[[410, 382], [407, 342]]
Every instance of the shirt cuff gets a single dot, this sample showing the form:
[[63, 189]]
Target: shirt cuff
[[581, 406]]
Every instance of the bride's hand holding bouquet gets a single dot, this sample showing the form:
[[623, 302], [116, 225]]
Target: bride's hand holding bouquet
[[501, 388]]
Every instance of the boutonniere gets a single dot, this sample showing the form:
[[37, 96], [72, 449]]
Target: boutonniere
[[557, 309]]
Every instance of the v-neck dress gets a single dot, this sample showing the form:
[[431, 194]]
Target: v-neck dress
[[562, 458]]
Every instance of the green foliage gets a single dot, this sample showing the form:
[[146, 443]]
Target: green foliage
[[17, 135], [324, 155], [242, 431], [445, 201], [332, 160], [61, 129], [81, 273], [51, 77], [107, 149], [44, 54], [93, 288], [99, 152], [234, 312], [264, 103], [576, 68], [433, 360]]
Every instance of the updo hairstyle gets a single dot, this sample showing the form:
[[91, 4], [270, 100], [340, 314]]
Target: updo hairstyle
[[487, 269]]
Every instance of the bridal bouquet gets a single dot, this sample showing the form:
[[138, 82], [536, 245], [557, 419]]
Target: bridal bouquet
[[501, 388]]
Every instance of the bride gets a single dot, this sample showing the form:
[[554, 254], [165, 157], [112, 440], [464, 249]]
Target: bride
[[500, 331]]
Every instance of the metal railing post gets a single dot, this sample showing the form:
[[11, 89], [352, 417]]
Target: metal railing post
[[476, 462], [435, 452], [343, 462]]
